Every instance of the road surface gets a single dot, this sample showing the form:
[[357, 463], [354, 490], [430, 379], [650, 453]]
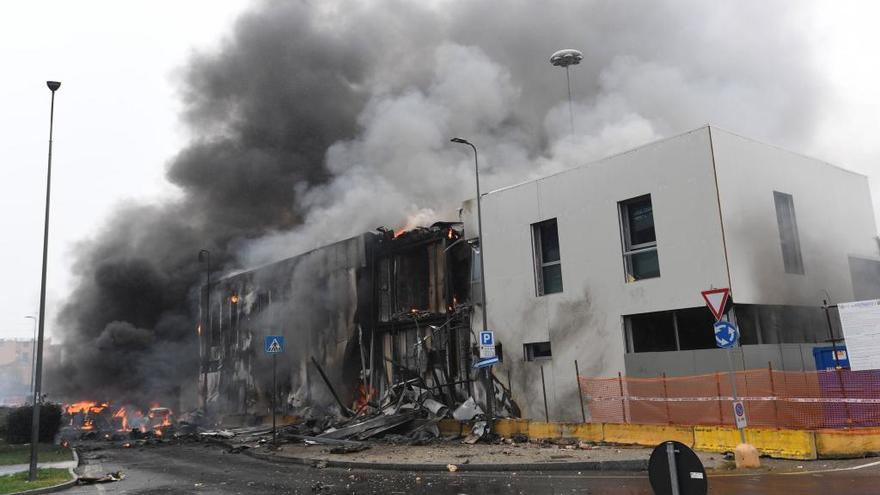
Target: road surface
[[208, 469]]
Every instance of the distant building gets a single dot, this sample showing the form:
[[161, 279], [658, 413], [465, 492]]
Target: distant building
[[605, 263], [15, 371]]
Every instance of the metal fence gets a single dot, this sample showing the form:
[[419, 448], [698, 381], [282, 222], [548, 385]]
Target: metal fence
[[784, 399]]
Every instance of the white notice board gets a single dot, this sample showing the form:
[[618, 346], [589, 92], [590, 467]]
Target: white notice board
[[860, 321]]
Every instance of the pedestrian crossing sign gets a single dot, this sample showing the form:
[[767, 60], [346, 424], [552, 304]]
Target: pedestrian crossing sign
[[274, 344]]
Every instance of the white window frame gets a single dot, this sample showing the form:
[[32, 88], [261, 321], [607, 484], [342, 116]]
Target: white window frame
[[540, 264], [630, 249]]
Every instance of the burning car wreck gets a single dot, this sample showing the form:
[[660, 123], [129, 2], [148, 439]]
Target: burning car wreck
[[89, 420], [377, 330]]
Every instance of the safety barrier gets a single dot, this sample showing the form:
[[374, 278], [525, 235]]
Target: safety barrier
[[773, 399]]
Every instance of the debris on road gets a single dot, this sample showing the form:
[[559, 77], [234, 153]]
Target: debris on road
[[107, 478]]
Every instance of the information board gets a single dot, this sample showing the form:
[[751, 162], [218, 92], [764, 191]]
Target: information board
[[860, 321]]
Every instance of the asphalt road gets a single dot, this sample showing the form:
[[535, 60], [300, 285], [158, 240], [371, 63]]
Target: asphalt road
[[208, 469]]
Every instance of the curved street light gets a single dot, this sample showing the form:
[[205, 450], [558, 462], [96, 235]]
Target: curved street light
[[490, 399], [38, 365]]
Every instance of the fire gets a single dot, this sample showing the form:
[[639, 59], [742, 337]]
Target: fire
[[450, 234], [85, 407], [122, 414]]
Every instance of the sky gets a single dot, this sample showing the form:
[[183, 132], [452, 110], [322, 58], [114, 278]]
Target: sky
[[118, 118]]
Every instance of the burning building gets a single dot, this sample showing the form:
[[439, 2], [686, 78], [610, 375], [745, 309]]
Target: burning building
[[358, 317]]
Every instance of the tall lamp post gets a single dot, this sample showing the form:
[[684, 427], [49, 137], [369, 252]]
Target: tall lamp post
[[205, 257], [33, 351], [38, 366], [565, 58], [490, 400]]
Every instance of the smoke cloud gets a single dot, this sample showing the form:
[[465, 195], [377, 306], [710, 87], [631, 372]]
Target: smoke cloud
[[316, 121]]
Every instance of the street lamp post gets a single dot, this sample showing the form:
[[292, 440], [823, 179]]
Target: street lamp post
[[33, 352], [490, 400], [38, 366], [565, 58], [205, 257]]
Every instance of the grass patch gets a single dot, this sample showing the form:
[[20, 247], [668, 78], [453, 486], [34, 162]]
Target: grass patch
[[21, 454], [14, 483]]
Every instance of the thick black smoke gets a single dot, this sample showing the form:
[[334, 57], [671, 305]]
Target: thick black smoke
[[319, 120]]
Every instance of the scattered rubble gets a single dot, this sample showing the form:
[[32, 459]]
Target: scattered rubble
[[107, 478]]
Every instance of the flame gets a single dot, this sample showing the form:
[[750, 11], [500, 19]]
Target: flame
[[85, 407], [122, 414], [398, 233], [450, 234]]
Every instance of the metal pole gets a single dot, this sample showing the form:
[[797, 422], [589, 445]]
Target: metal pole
[[33, 354], [831, 334], [208, 334], [274, 393], [837, 367], [570, 110], [577, 379], [673, 469], [773, 394], [742, 434], [487, 377], [666, 399], [544, 389], [38, 367]]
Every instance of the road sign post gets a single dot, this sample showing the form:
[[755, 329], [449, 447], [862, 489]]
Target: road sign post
[[726, 337], [274, 345], [487, 344]]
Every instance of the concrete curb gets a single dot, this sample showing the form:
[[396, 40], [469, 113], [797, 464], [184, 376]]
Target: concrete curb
[[59, 487], [622, 465]]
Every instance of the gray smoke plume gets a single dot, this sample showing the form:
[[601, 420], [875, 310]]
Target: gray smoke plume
[[319, 120]]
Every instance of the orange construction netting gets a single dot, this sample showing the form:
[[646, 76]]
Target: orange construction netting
[[784, 399]]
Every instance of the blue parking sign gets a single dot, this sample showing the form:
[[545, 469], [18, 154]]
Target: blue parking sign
[[487, 338], [274, 344]]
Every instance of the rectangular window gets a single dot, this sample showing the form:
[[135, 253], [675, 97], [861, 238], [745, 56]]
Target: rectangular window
[[548, 263], [788, 233], [678, 330], [640, 258], [536, 351]]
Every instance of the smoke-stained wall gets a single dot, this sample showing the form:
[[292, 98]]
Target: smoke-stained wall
[[312, 300], [315, 121]]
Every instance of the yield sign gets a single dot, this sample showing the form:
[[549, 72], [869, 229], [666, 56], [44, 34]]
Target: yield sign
[[716, 299]]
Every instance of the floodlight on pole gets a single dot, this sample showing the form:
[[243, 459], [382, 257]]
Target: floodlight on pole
[[566, 58]]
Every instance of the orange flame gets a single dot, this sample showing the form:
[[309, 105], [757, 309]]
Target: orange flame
[[121, 414], [85, 407]]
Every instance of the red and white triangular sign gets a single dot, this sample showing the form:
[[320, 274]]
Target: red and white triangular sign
[[716, 299]]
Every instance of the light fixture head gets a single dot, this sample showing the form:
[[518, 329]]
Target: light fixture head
[[566, 57], [53, 85], [460, 140]]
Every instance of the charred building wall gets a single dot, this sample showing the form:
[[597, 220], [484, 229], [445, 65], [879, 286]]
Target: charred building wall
[[371, 310]]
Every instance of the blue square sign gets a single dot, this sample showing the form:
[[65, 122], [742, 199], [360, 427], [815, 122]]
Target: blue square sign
[[487, 338], [274, 344]]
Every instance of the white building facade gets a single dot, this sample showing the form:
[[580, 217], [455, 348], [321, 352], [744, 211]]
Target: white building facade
[[605, 263]]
